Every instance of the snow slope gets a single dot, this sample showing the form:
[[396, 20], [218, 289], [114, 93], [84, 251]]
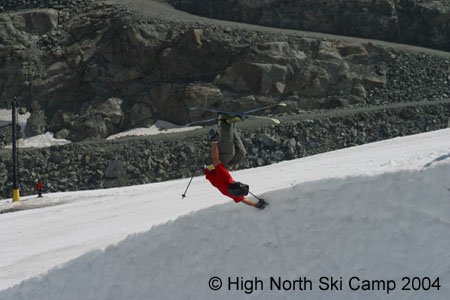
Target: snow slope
[[370, 211]]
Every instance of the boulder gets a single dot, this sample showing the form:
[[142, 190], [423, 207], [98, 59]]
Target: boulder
[[100, 121], [97, 121], [36, 123], [92, 127], [317, 81], [258, 78], [62, 120], [62, 134], [276, 52], [353, 52], [328, 51], [196, 95]]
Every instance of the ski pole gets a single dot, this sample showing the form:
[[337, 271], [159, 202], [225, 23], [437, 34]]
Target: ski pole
[[192, 177], [255, 196], [193, 174]]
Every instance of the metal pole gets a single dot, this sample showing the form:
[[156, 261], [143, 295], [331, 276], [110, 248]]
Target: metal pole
[[15, 188], [255, 196], [192, 177]]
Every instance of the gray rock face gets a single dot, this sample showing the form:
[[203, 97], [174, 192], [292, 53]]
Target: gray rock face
[[424, 23], [71, 61]]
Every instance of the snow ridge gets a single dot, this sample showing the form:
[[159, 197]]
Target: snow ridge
[[381, 227]]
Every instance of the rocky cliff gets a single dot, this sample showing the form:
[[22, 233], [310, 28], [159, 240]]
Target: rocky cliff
[[96, 69], [425, 23]]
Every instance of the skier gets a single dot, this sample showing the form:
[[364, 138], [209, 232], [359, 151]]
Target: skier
[[39, 188], [228, 151]]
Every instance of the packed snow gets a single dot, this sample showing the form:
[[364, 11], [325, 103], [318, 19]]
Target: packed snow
[[370, 216], [160, 127], [39, 141]]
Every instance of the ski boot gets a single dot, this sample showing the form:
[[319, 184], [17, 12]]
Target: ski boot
[[229, 119]]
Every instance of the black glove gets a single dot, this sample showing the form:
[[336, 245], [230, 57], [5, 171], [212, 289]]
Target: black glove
[[261, 204], [213, 135]]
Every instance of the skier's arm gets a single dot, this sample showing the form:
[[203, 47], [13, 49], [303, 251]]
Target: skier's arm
[[248, 202], [215, 153]]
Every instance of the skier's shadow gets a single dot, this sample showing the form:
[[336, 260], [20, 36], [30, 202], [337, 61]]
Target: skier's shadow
[[440, 158]]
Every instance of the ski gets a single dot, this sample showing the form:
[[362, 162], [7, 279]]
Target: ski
[[243, 115], [251, 111], [214, 120], [274, 120], [201, 122]]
